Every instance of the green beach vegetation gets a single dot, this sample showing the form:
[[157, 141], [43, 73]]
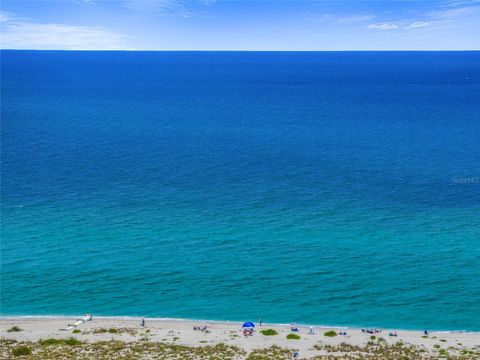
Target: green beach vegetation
[[14, 329], [443, 352], [21, 351], [49, 342], [330, 333], [70, 341], [269, 332], [130, 331], [58, 349], [112, 349], [293, 337]]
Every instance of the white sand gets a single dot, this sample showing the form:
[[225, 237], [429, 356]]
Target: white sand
[[36, 328]]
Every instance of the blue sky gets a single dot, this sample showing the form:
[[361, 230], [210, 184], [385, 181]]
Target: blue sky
[[241, 25]]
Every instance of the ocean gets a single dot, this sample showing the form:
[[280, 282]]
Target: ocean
[[333, 188]]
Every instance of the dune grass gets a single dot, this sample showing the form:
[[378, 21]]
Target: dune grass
[[22, 351], [48, 342], [114, 349], [70, 341], [14, 329], [269, 332], [330, 333], [106, 350], [130, 331]]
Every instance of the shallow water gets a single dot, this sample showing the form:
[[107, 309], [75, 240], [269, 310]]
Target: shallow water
[[318, 188]]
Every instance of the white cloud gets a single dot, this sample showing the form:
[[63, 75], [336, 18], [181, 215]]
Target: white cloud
[[88, 2], [167, 7], [383, 26], [418, 24], [159, 7], [354, 18], [23, 34], [455, 3], [207, 2], [152, 4], [6, 16], [350, 19], [457, 12]]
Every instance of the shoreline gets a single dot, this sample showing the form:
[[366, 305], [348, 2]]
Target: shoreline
[[235, 322], [186, 334]]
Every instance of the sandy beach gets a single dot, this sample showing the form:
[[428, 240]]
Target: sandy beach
[[181, 332]]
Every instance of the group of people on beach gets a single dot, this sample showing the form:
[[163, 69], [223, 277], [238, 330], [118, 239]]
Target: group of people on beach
[[201, 328], [248, 332], [376, 331]]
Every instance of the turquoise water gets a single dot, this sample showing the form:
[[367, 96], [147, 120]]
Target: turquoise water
[[317, 188]]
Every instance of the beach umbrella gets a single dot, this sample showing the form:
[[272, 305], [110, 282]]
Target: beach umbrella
[[248, 324]]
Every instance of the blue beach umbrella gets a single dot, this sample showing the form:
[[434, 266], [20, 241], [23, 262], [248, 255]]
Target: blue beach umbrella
[[248, 324]]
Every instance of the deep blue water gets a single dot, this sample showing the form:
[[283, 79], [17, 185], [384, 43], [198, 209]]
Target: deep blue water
[[320, 188]]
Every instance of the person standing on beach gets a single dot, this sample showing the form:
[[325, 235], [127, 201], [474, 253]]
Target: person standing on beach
[[142, 322]]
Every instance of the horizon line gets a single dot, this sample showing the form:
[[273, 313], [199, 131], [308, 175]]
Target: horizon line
[[239, 50]]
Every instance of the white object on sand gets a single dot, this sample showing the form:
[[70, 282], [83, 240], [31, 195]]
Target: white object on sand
[[87, 317]]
